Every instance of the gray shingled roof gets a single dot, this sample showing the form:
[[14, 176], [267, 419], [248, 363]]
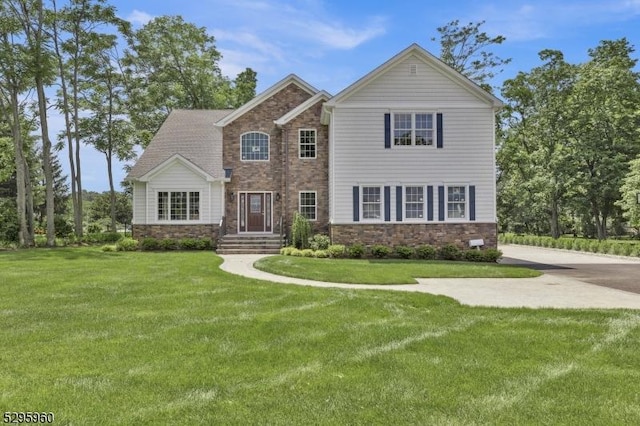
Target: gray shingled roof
[[189, 133]]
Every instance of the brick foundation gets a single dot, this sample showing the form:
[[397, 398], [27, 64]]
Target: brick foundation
[[176, 231], [436, 234]]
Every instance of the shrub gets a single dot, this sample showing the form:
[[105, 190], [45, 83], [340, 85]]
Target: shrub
[[94, 228], [306, 253], [102, 238], [300, 231], [195, 243], [286, 251], [321, 254], [450, 252], [109, 247], [474, 255], [168, 244], [627, 249], [491, 255], [127, 244], [426, 252], [380, 251], [319, 242], [336, 250], [295, 252], [356, 251], [149, 244], [405, 252], [567, 244]]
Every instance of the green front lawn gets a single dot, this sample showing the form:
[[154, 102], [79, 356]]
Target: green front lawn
[[167, 338], [385, 271]]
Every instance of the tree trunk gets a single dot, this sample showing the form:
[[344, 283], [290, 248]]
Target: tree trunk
[[46, 163], [555, 227], [112, 193], [21, 199]]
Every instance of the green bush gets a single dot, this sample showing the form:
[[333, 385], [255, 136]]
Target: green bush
[[94, 228], [356, 251], [127, 244], [319, 242], [300, 231], [195, 243], [321, 254], [295, 252], [380, 251], [168, 244], [109, 247], [336, 250], [426, 252], [473, 255], [449, 252], [149, 244], [286, 251], [306, 253], [405, 252], [491, 255]]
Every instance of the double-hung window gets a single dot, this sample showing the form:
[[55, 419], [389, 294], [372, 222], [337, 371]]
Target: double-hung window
[[371, 202], [178, 205], [254, 146], [456, 202], [308, 204], [414, 202], [307, 143], [413, 129]]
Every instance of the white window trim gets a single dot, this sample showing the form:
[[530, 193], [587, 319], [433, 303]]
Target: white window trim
[[315, 206], [268, 147], [424, 204], [188, 220], [413, 129], [362, 218], [315, 133], [466, 203]]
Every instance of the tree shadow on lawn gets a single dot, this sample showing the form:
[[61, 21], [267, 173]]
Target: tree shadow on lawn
[[67, 253]]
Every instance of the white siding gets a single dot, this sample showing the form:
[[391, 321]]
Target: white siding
[[360, 158], [397, 87], [178, 177], [139, 203]]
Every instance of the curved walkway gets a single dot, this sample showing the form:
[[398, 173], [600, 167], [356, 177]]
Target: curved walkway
[[546, 291]]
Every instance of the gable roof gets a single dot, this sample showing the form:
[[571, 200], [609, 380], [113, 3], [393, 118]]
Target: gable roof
[[291, 78], [431, 60], [190, 134], [321, 96]]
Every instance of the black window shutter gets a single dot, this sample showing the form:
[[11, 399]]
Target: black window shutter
[[387, 203], [429, 202], [356, 204], [398, 204], [472, 202], [441, 203], [439, 142], [387, 130]]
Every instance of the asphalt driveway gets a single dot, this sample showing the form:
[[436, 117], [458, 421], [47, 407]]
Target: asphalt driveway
[[607, 271]]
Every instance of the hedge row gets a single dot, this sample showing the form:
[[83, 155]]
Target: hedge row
[[619, 248], [155, 244], [424, 252]]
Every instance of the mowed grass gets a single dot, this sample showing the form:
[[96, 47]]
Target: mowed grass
[[385, 271], [167, 338]]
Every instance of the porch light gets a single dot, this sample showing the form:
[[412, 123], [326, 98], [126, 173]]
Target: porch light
[[278, 196]]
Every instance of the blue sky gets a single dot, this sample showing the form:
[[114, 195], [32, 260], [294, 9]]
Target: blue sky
[[332, 43]]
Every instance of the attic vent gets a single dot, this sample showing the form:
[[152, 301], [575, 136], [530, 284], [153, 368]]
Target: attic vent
[[413, 69]]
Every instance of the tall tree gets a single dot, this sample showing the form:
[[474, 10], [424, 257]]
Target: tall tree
[[76, 27], [605, 104], [244, 87], [106, 127], [14, 77], [31, 15], [466, 49], [174, 64]]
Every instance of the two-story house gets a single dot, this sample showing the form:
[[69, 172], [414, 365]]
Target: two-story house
[[405, 155]]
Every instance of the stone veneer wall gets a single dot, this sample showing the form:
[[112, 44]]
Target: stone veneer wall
[[258, 175], [176, 231], [436, 234]]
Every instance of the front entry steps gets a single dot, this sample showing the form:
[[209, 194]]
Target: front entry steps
[[249, 244]]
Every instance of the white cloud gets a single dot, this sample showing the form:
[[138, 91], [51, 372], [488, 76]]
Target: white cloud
[[138, 17], [337, 36]]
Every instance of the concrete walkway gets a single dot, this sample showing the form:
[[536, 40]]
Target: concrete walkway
[[547, 291]]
